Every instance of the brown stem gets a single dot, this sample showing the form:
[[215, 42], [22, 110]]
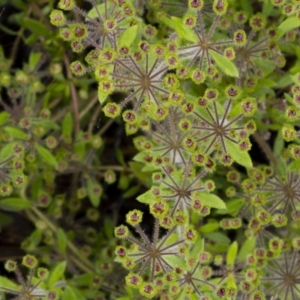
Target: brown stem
[[74, 95], [94, 118]]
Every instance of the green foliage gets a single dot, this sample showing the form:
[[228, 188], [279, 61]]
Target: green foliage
[[182, 117]]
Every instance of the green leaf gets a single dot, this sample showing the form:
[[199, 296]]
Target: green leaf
[[16, 133], [136, 168], [295, 78], [246, 248], [14, 204], [5, 220], [6, 283], [37, 27], [175, 261], [94, 191], [231, 254], [61, 240], [35, 238], [209, 227], [8, 30], [183, 31], [247, 7], [128, 36], [289, 99], [83, 279], [217, 237], [278, 145], [34, 59], [225, 65], [93, 13], [7, 151], [4, 116], [288, 25], [211, 200], [46, 155], [233, 205], [241, 157], [124, 181], [57, 273], [267, 8], [120, 157], [294, 165], [131, 192], [46, 124], [67, 125], [69, 294], [146, 197], [198, 247], [102, 96]]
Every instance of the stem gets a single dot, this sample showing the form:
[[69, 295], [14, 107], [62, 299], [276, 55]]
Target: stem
[[94, 118], [74, 96], [18, 39], [106, 126], [88, 107], [81, 261]]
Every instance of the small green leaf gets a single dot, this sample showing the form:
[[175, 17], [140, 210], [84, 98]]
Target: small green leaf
[[217, 237], [183, 31], [8, 284], [102, 96], [278, 145], [83, 279], [14, 204], [37, 27], [288, 25], [211, 200], [198, 247], [131, 192], [67, 125], [16, 133], [175, 261], [231, 254], [225, 65], [69, 294], [128, 36], [4, 116], [241, 157], [35, 238], [34, 58], [94, 191], [93, 13], [246, 6], [57, 273], [246, 248], [120, 157], [146, 197], [136, 168], [46, 155], [47, 124], [61, 240], [294, 165], [233, 205], [209, 227]]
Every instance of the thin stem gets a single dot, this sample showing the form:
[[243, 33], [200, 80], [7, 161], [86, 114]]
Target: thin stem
[[74, 96], [82, 262]]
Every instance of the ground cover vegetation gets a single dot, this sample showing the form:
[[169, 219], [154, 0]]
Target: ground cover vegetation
[[150, 149]]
